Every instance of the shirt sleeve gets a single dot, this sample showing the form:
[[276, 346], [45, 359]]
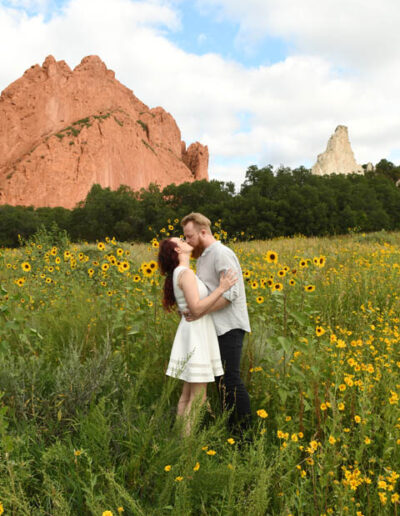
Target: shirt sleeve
[[224, 261]]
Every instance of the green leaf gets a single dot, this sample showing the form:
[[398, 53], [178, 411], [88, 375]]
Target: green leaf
[[283, 395], [4, 345], [12, 325], [278, 297], [300, 318], [286, 344], [35, 332], [297, 371]]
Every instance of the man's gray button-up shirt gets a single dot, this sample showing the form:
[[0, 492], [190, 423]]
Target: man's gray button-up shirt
[[219, 258]]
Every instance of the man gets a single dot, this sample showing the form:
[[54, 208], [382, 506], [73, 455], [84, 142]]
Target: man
[[230, 315]]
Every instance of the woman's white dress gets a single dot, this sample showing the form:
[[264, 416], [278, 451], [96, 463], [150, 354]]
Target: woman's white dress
[[195, 355]]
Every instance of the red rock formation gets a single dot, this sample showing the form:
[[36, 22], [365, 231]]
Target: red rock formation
[[61, 131], [196, 159]]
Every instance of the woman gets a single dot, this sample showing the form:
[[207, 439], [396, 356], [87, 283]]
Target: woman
[[195, 356]]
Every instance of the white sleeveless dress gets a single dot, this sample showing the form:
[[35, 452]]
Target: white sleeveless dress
[[195, 356]]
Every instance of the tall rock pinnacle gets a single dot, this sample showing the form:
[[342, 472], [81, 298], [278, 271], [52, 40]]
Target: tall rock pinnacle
[[338, 157], [63, 130]]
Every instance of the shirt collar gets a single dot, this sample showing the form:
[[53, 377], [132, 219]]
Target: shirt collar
[[208, 249]]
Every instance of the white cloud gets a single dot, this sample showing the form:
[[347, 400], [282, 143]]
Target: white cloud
[[230, 172], [361, 34], [78, 29], [292, 106]]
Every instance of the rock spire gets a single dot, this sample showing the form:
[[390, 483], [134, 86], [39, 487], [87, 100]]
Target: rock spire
[[338, 157]]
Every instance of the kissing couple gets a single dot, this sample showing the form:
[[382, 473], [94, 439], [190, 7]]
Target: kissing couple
[[214, 318]]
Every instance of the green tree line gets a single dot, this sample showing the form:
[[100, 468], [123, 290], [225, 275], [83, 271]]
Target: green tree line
[[270, 203]]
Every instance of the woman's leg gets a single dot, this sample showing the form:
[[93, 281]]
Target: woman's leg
[[197, 397], [184, 399]]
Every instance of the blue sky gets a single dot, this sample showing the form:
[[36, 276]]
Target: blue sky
[[204, 31], [258, 81]]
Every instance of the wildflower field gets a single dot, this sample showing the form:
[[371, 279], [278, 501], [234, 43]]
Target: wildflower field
[[87, 415]]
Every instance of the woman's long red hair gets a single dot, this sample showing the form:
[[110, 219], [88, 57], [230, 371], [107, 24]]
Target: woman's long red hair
[[167, 261]]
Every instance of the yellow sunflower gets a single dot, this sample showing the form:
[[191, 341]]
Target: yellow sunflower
[[147, 271], [26, 266], [153, 265], [123, 266], [271, 257]]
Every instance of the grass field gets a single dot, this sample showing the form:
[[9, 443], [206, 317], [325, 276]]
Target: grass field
[[87, 415]]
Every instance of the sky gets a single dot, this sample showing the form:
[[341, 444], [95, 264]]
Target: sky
[[258, 81]]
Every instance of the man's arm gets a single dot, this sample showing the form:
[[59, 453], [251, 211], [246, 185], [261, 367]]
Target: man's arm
[[224, 261]]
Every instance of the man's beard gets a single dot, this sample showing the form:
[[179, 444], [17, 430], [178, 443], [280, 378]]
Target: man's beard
[[197, 251]]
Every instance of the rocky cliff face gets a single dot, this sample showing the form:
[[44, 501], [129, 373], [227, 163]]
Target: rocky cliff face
[[338, 157], [61, 131]]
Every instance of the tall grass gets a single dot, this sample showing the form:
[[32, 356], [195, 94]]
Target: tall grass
[[87, 415]]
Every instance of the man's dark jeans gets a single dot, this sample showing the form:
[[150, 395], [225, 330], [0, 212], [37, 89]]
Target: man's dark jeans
[[232, 392]]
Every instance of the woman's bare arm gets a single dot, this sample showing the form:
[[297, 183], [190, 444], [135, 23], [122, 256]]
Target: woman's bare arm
[[221, 303], [198, 307]]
